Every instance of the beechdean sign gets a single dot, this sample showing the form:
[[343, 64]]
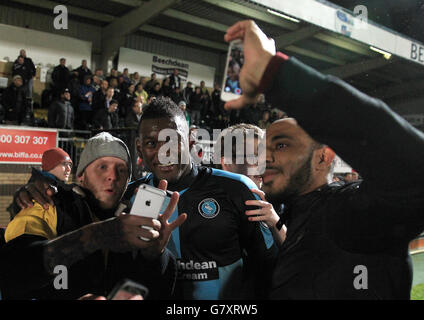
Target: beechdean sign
[[146, 63], [166, 67], [25, 145]]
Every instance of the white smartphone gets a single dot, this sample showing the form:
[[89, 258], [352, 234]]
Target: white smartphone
[[231, 83], [148, 201]]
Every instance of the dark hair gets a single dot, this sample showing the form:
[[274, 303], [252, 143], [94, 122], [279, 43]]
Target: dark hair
[[161, 107], [113, 101]]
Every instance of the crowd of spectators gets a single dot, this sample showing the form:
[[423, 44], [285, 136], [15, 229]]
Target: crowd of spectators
[[83, 100]]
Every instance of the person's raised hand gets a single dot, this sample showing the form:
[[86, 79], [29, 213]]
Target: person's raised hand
[[40, 190], [166, 226], [258, 50], [266, 213]]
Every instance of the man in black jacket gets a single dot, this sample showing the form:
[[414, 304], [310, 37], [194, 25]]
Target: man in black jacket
[[83, 71], [14, 100], [31, 67], [81, 234], [61, 112], [343, 241], [60, 77], [107, 118]]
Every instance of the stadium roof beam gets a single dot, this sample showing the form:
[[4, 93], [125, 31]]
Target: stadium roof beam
[[46, 4], [398, 89], [184, 37], [295, 36], [129, 3], [195, 20], [315, 55], [113, 35], [346, 44], [353, 69], [131, 21], [253, 14]]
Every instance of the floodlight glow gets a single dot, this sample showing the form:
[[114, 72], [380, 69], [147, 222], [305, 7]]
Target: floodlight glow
[[283, 16]]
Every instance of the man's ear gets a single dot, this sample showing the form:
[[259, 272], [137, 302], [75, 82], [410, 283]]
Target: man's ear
[[324, 157]]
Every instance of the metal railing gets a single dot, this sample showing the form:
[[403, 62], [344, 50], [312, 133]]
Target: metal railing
[[73, 142]]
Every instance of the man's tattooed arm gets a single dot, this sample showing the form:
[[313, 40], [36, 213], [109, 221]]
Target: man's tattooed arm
[[76, 245]]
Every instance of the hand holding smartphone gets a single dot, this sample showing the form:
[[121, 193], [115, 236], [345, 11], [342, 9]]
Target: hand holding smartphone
[[231, 88], [148, 203]]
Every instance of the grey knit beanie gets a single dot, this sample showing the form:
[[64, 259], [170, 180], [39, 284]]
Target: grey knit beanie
[[103, 145]]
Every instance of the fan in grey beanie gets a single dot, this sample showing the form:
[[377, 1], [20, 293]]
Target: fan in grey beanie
[[103, 145]]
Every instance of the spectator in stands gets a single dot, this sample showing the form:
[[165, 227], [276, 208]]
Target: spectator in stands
[[99, 73], [126, 76], [61, 112], [151, 83], [114, 83], [157, 90], [96, 82], [113, 75], [355, 175], [175, 80], [99, 97], [347, 177], [177, 95], [106, 119], [135, 79], [31, 67], [216, 100], [133, 117], [196, 106], [166, 87], [264, 123], [252, 114], [126, 102], [205, 96], [85, 110], [139, 91], [83, 71], [261, 102], [122, 86], [60, 77], [143, 81], [14, 100], [74, 89], [187, 92], [20, 68], [183, 107], [57, 164]]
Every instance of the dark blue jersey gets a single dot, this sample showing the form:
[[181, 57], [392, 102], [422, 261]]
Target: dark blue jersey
[[220, 254]]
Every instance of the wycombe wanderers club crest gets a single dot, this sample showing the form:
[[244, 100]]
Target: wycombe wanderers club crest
[[209, 208]]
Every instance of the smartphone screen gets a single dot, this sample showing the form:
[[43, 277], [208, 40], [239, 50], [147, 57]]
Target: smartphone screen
[[231, 84]]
